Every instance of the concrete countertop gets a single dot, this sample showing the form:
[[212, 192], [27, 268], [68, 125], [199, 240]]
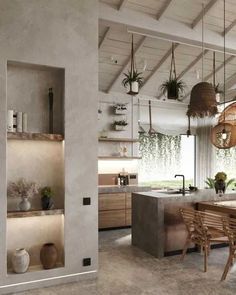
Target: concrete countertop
[[106, 189]]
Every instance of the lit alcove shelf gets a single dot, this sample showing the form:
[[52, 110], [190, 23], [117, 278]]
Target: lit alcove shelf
[[18, 214], [34, 268], [118, 158], [34, 136], [106, 139]]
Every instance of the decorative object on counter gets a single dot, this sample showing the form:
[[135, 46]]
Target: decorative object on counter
[[173, 87], [46, 199], [192, 188], [19, 121], [20, 260], [202, 98], [120, 125], [48, 255], [50, 100], [120, 109], [24, 122], [133, 79], [219, 182], [14, 121], [10, 120], [24, 190]]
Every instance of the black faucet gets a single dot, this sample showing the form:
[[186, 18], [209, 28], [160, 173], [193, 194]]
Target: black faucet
[[183, 189]]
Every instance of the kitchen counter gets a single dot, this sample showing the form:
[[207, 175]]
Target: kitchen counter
[[108, 189], [157, 226]]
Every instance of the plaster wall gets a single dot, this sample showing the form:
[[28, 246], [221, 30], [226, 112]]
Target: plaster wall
[[60, 34]]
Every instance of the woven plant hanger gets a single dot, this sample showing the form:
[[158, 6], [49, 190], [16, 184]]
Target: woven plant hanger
[[172, 64]]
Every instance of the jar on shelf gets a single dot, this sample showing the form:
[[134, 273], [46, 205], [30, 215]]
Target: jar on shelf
[[20, 260], [48, 255]]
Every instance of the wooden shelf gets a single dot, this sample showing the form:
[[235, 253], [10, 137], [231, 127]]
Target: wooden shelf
[[34, 268], [34, 136], [118, 139], [19, 214], [118, 158]]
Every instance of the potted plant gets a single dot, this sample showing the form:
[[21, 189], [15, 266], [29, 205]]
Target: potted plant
[[120, 109], [24, 190], [173, 87], [120, 125], [46, 199], [219, 182], [134, 80]]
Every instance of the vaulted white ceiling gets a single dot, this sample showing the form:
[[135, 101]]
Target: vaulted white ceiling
[[156, 23]]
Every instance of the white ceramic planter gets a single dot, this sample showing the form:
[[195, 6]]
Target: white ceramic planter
[[119, 127], [24, 205], [120, 112], [20, 260], [134, 87]]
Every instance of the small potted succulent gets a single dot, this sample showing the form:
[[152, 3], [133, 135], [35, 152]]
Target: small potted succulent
[[24, 190], [218, 92], [46, 199], [133, 80], [120, 109], [172, 87], [120, 125], [220, 182]]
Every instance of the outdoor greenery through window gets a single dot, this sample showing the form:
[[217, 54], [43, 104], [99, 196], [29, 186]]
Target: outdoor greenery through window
[[163, 156]]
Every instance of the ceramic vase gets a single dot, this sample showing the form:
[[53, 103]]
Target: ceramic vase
[[48, 255], [24, 205], [134, 87], [220, 186], [20, 260]]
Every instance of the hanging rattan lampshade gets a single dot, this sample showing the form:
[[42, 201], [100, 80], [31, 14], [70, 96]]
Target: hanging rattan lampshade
[[202, 101], [217, 139]]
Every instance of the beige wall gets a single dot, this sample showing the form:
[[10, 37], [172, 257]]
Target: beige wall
[[58, 34]]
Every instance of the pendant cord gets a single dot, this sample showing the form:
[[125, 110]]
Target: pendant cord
[[224, 63], [214, 69], [132, 57], [203, 11]]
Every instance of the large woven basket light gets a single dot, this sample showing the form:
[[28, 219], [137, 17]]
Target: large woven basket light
[[202, 101], [228, 115], [216, 136]]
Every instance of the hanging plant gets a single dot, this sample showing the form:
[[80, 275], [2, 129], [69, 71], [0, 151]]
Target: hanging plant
[[133, 79], [173, 87]]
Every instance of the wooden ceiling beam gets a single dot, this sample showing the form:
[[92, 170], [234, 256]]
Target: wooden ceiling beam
[[163, 9], [127, 62], [196, 21], [104, 37], [160, 63], [122, 4], [229, 28]]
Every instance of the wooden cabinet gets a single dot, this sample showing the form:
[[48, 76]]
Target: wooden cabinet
[[114, 210]]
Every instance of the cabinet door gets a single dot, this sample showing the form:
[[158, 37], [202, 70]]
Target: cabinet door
[[111, 201], [113, 218], [128, 200], [128, 217]]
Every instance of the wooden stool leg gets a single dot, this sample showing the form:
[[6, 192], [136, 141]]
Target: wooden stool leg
[[229, 262], [184, 250], [205, 257]]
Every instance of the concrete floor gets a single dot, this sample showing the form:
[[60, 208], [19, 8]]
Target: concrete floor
[[128, 270]]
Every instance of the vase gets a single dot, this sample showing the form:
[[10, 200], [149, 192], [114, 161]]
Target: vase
[[24, 205], [48, 255], [220, 186], [20, 260], [47, 203]]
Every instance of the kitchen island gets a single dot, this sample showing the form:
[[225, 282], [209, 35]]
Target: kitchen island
[[157, 226]]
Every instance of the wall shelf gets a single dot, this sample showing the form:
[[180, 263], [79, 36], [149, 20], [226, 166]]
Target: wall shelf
[[34, 268], [20, 214], [118, 158], [34, 136], [106, 139]]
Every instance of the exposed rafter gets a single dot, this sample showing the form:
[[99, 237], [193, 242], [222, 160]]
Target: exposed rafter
[[206, 9], [163, 9], [122, 4], [106, 34], [228, 60], [229, 28], [189, 67], [160, 63], [137, 48]]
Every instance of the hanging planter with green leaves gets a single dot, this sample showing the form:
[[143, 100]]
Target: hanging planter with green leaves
[[133, 79]]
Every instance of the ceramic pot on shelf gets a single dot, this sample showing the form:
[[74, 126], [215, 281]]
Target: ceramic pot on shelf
[[47, 202], [220, 186], [24, 204], [48, 255], [20, 260], [134, 87]]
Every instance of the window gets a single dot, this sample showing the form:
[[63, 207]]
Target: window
[[163, 156]]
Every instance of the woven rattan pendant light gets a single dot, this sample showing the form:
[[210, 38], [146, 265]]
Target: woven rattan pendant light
[[223, 134], [202, 99]]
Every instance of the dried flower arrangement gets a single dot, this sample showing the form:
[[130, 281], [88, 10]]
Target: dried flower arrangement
[[22, 189]]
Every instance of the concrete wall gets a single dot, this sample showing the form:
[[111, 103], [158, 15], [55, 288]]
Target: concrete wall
[[59, 34]]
